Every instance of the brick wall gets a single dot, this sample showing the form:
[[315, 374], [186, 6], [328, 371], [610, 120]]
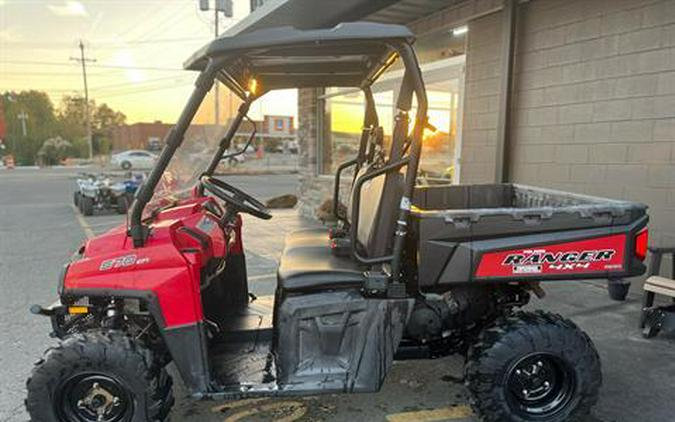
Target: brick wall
[[135, 136]]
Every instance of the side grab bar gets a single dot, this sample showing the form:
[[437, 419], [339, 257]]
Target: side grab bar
[[336, 188], [356, 205]]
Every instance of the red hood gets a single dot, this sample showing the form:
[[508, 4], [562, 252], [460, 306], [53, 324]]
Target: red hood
[[181, 241]]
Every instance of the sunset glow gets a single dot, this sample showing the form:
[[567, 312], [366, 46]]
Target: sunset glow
[[138, 46]]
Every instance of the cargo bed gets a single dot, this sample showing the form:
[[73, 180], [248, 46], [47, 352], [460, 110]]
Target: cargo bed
[[508, 232]]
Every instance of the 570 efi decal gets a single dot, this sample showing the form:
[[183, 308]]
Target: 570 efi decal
[[586, 256]]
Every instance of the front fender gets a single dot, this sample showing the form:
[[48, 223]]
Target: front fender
[[186, 344]]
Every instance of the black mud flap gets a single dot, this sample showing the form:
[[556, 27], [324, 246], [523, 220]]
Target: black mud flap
[[338, 341], [187, 345]]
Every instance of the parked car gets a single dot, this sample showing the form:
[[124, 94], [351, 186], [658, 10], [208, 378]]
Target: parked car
[[134, 158], [233, 160]]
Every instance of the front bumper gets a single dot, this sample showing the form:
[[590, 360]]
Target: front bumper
[[56, 312]]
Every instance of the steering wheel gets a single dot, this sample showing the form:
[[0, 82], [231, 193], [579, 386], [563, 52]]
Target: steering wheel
[[238, 199]]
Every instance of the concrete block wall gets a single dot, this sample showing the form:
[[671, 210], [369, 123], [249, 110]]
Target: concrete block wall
[[481, 103], [594, 101]]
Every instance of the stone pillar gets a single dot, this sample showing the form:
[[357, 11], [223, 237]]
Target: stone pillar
[[308, 148]]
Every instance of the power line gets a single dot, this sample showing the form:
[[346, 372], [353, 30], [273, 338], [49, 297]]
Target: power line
[[150, 86], [48, 90], [103, 44], [130, 84], [106, 94], [99, 66], [52, 74], [166, 40], [172, 17], [142, 91]]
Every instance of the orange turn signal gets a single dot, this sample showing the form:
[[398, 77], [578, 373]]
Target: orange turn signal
[[74, 310]]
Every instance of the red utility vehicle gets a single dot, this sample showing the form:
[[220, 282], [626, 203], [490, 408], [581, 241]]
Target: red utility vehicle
[[410, 271]]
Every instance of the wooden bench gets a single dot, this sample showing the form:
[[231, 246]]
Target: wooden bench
[[657, 318], [660, 285]]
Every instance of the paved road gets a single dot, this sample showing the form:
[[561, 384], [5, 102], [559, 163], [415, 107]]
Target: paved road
[[39, 230]]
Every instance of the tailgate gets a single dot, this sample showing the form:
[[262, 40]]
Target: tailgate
[[566, 255]]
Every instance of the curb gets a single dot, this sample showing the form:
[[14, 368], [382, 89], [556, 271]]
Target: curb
[[255, 172]]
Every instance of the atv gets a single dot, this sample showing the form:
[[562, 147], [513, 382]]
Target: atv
[[100, 192], [409, 272]]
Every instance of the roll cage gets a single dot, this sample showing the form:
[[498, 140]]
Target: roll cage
[[348, 55]]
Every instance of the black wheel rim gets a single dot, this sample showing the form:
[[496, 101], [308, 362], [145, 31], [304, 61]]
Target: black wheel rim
[[540, 385], [93, 398]]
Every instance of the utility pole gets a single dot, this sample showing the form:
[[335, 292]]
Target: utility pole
[[216, 105], [23, 116], [83, 60], [226, 7]]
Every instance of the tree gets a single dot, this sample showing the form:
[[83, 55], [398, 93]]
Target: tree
[[40, 124], [71, 115], [74, 123], [104, 119], [44, 122]]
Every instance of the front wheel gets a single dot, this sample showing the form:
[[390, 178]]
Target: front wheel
[[533, 367], [98, 377]]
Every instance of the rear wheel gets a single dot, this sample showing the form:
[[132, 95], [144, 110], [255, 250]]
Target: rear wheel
[[533, 367], [98, 377], [86, 205], [126, 165]]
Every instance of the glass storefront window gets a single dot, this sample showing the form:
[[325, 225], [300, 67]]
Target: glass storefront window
[[439, 148], [343, 122], [442, 61], [343, 118]]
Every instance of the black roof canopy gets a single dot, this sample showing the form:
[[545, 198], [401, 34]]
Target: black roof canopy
[[349, 54]]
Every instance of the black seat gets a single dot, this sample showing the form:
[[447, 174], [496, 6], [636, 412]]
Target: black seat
[[307, 263], [307, 237]]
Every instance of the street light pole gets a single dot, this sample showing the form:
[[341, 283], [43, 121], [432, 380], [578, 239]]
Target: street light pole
[[83, 60], [216, 106], [224, 6], [23, 117]]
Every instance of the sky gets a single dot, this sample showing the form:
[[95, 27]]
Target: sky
[[138, 46]]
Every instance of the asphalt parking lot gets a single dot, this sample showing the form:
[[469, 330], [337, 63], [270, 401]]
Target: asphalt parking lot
[[39, 229]]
